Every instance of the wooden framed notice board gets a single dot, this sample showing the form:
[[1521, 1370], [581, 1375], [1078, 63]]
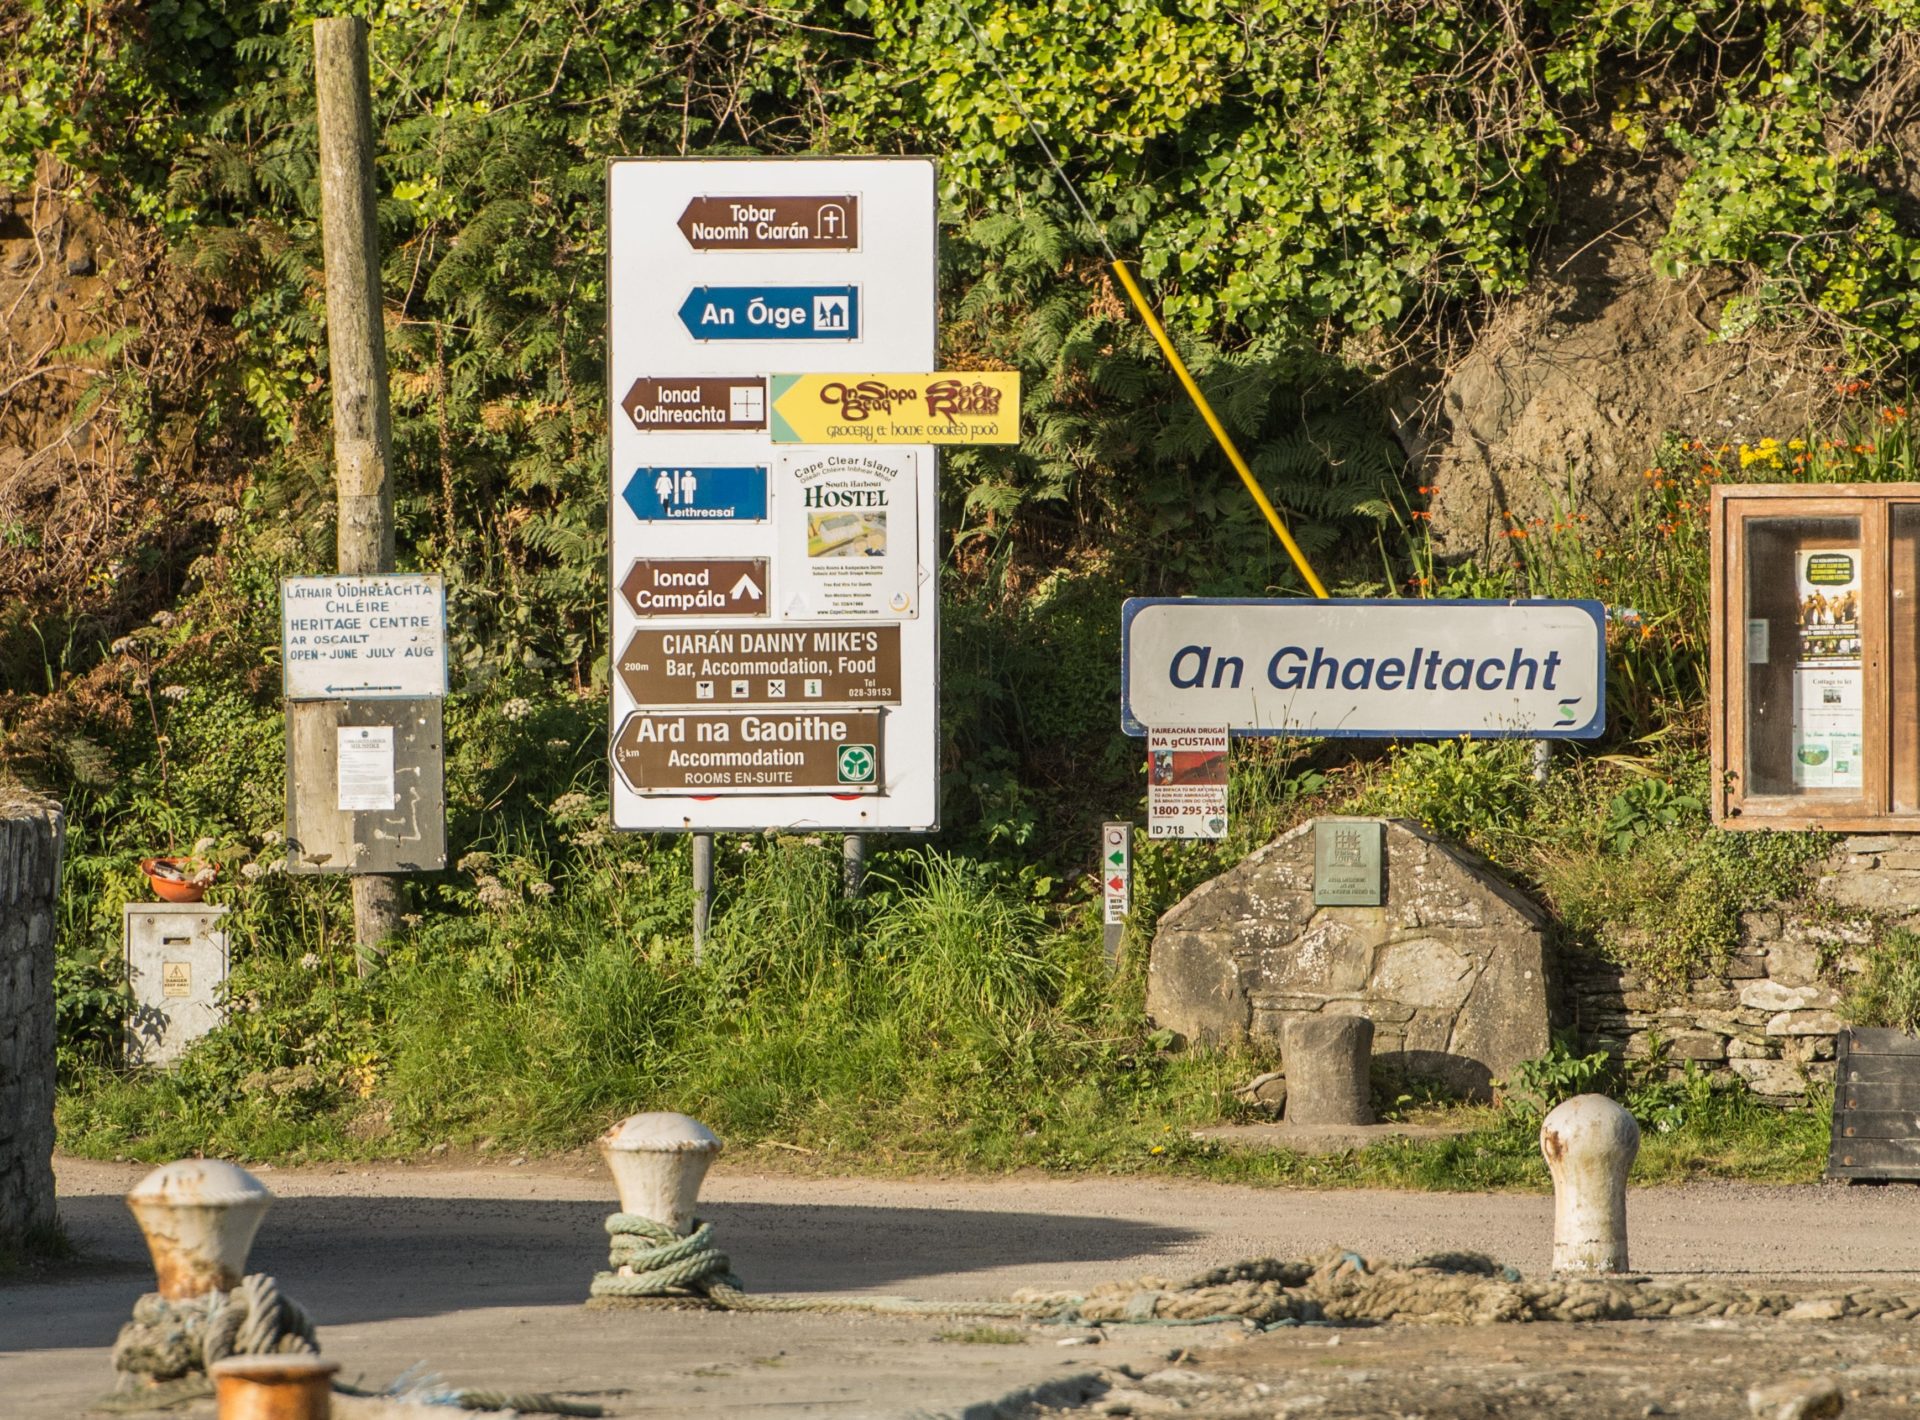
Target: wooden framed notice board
[[1816, 656]]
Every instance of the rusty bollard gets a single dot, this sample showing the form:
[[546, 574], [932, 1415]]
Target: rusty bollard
[[274, 1387], [199, 1217], [1590, 1143], [658, 1162]]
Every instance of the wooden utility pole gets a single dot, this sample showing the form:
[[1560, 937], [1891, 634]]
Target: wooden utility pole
[[357, 361]]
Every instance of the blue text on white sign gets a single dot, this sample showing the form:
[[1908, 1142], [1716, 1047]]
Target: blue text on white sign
[[1350, 668]]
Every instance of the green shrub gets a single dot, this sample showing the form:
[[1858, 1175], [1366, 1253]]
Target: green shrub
[[1887, 993]]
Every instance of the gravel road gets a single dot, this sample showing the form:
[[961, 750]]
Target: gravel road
[[478, 1272]]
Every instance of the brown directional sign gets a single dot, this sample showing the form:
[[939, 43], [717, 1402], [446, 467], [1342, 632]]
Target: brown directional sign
[[736, 402], [738, 666], [772, 223], [799, 751], [697, 586]]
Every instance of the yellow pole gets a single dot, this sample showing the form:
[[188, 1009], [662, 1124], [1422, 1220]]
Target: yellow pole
[[1219, 430]]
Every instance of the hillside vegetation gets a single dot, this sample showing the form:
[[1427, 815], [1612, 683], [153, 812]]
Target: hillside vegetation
[[1327, 198]]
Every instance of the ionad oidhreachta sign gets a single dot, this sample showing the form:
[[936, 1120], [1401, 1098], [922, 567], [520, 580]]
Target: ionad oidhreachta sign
[[1351, 668]]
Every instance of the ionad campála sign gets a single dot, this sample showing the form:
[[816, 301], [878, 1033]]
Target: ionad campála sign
[[1340, 667]]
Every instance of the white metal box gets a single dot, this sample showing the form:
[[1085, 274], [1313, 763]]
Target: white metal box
[[176, 967]]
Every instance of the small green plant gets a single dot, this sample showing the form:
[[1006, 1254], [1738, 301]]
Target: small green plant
[[1644, 807], [1887, 993], [983, 1335], [1543, 1082]]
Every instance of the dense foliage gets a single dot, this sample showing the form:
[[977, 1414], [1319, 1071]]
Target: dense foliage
[[1320, 193]]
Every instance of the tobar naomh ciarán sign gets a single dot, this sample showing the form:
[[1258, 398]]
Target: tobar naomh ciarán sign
[[772, 223], [1351, 668]]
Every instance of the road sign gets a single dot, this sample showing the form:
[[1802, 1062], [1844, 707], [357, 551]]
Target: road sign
[[1116, 871], [837, 665], [756, 223], [1347, 668], [670, 752], [697, 493], [721, 404], [945, 407], [721, 273], [363, 638], [697, 586], [772, 313]]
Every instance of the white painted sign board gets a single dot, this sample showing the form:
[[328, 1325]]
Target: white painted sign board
[[364, 638], [840, 276], [1350, 668]]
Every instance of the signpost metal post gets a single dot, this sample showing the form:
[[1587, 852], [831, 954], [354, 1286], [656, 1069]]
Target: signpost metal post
[[774, 611]]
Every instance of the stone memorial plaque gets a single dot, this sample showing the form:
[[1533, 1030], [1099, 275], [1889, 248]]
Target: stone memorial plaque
[[1348, 863]]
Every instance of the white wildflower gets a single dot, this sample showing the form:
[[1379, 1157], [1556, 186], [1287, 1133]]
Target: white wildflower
[[250, 871], [278, 865], [474, 862], [174, 693], [203, 846], [225, 517], [309, 961], [272, 835], [123, 646], [163, 619], [517, 708], [495, 895], [541, 889], [571, 805]]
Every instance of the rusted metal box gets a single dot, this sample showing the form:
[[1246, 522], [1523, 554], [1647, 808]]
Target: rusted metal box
[[1876, 1105]]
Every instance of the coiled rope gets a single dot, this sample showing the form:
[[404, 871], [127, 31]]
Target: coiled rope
[[1336, 1288], [649, 1259], [167, 1341]]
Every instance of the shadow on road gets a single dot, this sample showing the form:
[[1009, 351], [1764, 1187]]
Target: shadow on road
[[371, 1259]]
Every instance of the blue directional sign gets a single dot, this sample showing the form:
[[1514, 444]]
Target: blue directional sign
[[691, 494], [772, 313]]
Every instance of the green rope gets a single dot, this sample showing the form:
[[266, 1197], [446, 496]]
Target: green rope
[[651, 1260]]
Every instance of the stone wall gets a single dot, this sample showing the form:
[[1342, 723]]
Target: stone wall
[[32, 837], [1770, 1018], [1451, 969]]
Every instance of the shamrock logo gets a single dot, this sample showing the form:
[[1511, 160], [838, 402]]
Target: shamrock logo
[[855, 764]]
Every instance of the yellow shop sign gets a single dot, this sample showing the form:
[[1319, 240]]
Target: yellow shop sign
[[944, 407]]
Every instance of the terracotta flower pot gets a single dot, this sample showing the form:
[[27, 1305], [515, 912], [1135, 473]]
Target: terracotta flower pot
[[171, 881]]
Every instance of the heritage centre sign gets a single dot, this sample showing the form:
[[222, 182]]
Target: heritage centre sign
[[1352, 668], [377, 637]]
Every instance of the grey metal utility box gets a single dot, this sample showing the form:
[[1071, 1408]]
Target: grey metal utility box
[[176, 966]]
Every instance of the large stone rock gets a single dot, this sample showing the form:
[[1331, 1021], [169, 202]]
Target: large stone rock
[[1451, 968]]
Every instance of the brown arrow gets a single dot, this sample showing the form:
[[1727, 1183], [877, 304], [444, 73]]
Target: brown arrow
[[697, 586], [830, 223], [738, 402]]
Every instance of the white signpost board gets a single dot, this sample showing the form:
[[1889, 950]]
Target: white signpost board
[[800, 689], [1347, 668], [381, 637]]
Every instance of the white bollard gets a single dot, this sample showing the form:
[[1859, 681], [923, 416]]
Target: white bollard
[[199, 1217], [1590, 1143], [658, 1162]]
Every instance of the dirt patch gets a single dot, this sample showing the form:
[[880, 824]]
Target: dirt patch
[[1568, 390], [1599, 1371]]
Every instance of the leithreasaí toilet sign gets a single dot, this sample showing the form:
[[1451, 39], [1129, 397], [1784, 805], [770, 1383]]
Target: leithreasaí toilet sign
[[1489, 669]]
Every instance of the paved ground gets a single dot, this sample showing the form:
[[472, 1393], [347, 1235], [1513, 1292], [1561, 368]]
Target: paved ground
[[478, 1273]]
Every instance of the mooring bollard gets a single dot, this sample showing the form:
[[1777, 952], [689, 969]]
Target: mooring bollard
[[199, 1217], [1327, 1060], [658, 1162], [274, 1387], [1590, 1143]]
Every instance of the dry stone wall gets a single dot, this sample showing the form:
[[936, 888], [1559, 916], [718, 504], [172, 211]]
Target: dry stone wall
[[32, 837], [1450, 969]]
